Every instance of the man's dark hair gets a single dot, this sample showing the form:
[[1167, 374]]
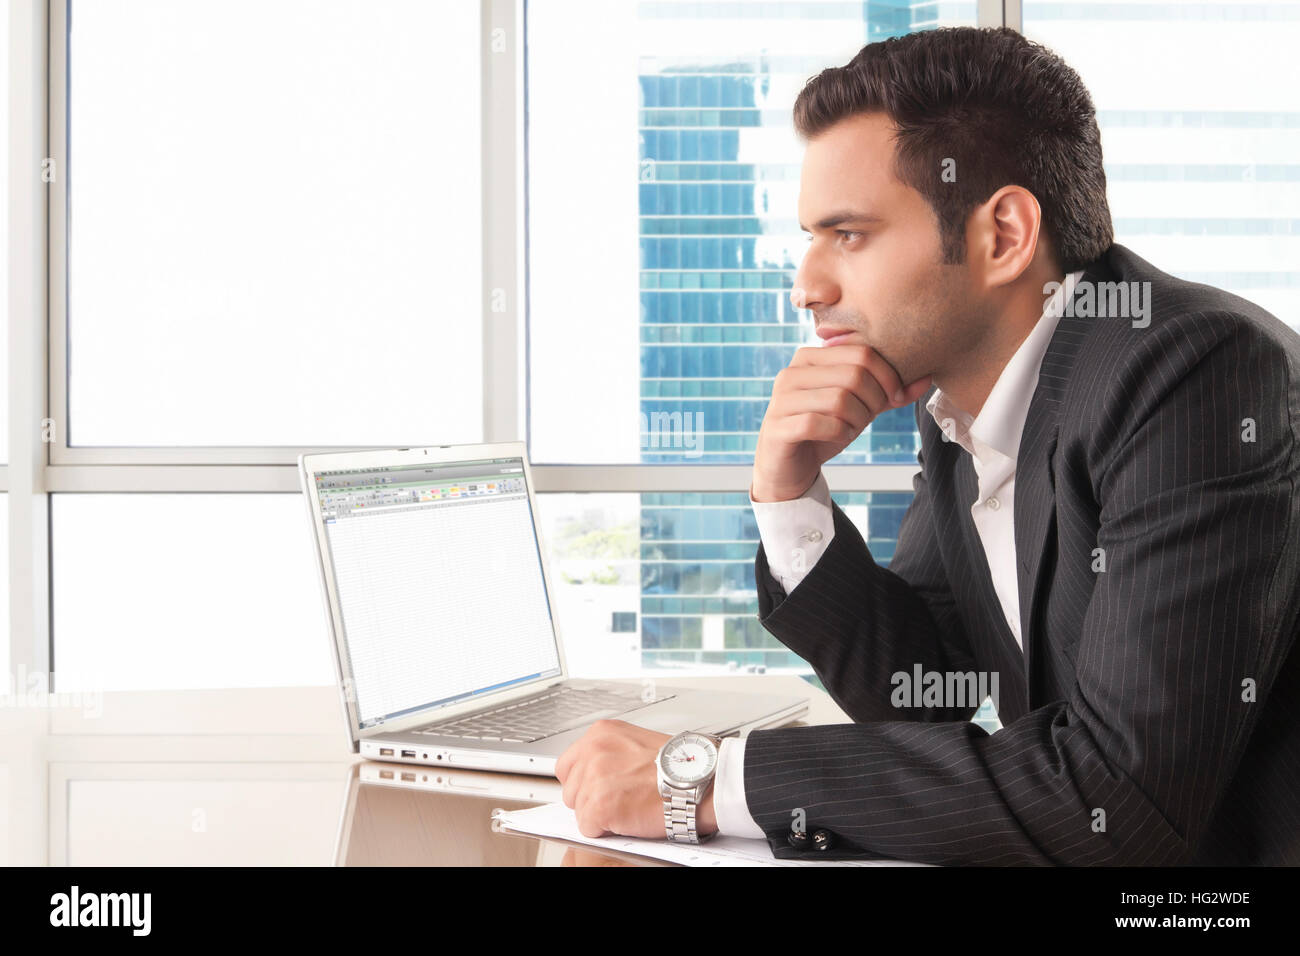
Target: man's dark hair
[[1007, 110]]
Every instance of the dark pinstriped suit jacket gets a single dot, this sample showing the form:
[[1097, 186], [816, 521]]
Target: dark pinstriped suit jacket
[[1129, 734]]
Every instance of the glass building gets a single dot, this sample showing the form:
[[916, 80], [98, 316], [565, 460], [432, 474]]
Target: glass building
[[718, 254]]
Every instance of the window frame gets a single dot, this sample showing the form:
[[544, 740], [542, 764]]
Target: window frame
[[38, 372]]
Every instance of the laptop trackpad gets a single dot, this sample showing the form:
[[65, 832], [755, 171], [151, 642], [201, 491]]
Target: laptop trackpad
[[665, 719]]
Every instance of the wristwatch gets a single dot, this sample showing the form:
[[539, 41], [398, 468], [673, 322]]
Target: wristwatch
[[686, 765]]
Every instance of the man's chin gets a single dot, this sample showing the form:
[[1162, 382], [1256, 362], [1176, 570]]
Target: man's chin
[[900, 366], [905, 369]]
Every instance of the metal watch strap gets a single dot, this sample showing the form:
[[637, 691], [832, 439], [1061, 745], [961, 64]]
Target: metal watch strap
[[679, 816]]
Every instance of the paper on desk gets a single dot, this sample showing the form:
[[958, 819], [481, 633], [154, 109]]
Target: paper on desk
[[557, 821]]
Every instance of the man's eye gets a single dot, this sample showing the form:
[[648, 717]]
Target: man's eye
[[848, 234]]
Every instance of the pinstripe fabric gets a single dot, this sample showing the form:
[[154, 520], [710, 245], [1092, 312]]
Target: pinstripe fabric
[[1126, 738]]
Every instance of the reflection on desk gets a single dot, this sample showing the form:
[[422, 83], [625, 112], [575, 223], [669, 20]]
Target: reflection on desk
[[398, 816], [259, 777]]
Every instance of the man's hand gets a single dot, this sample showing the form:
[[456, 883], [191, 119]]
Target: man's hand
[[610, 782], [820, 403]]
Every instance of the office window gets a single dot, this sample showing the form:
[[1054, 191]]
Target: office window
[[4, 333], [663, 231], [663, 241], [158, 591], [274, 223], [1200, 132], [666, 581], [166, 591], [4, 238], [323, 329]]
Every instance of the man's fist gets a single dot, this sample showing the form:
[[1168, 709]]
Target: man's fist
[[611, 783], [821, 402]]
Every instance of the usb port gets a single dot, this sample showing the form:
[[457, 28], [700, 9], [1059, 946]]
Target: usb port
[[409, 753], [409, 776], [385, 751], [385, 775]]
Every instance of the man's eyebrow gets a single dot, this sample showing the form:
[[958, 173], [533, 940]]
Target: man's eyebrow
[[840, 218]]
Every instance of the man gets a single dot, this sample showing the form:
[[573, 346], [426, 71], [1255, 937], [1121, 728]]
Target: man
[[1105, 527]]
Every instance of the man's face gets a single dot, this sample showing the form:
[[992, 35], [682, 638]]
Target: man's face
[[873, 265]]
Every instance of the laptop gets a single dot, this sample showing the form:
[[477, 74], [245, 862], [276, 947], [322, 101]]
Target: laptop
[[442, 626]]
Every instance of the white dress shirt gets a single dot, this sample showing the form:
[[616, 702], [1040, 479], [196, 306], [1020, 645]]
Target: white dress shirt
[[796, 533]]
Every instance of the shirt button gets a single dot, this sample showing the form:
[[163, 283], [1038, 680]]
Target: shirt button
[[814, 535], [993, 504]]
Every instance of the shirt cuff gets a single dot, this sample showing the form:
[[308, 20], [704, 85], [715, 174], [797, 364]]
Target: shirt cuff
[[795, 533], [729, 804]]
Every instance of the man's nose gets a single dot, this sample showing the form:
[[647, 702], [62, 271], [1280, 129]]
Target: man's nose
[[814, 287]]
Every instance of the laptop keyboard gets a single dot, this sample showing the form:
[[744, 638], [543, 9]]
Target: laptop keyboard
[[543, 716]]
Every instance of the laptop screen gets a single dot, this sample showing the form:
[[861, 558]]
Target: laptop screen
[[438, 572]]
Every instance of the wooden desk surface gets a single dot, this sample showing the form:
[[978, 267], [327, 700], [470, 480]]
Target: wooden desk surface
[[261, 777]]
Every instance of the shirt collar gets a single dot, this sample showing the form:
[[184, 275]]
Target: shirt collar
[[1001, 421]]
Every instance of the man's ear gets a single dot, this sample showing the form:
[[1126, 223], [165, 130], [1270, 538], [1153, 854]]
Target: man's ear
[[1002, 235]]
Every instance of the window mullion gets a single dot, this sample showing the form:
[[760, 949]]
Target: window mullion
[[502, 225], [27, 500]]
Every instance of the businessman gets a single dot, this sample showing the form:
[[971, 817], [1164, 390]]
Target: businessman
[[1105, 526]]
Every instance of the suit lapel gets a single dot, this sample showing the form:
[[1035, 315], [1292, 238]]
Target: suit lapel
[[1035, 495], [1008, 660]]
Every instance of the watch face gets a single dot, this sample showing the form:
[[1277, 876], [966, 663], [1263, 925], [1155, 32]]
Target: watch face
[[689, 758]]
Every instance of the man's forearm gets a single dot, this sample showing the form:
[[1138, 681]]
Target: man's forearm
[[858, 624]]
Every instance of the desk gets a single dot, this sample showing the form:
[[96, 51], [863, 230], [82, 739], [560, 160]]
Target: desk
[[261, 776]]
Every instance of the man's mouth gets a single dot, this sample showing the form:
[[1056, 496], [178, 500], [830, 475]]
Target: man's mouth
[[838, 339]]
